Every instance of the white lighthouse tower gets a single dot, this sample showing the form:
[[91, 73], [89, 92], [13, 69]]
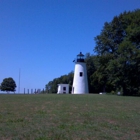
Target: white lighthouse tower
[[80, 82]]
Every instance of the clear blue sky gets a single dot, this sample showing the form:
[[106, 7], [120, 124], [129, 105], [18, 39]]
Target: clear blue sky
[[42, 37]]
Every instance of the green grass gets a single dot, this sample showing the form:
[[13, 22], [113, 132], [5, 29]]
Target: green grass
[[69, 117]]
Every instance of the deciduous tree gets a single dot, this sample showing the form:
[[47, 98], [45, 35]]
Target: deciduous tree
[[8, 84], [120, 38]]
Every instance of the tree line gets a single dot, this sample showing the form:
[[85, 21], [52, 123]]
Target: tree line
[[115, 64]]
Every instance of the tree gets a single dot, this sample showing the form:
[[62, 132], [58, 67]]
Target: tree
[[8, 85], [99, 78], [120, 39], [91, 63]]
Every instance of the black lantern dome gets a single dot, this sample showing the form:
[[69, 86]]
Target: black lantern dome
[[80, 57]]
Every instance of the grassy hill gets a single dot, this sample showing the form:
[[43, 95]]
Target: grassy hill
[[60, 117]]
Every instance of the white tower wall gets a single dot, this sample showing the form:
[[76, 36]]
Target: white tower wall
[[80, 82]]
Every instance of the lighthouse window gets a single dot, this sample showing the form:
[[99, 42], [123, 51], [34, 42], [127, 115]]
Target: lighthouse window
[[81, 74]]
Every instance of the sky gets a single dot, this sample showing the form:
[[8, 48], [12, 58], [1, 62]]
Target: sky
[[40, 38]]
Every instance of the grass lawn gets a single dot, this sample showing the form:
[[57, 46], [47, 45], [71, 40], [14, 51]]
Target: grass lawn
[[69, 117]]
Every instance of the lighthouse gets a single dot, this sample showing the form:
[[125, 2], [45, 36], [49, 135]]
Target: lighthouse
[[80, 82]]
